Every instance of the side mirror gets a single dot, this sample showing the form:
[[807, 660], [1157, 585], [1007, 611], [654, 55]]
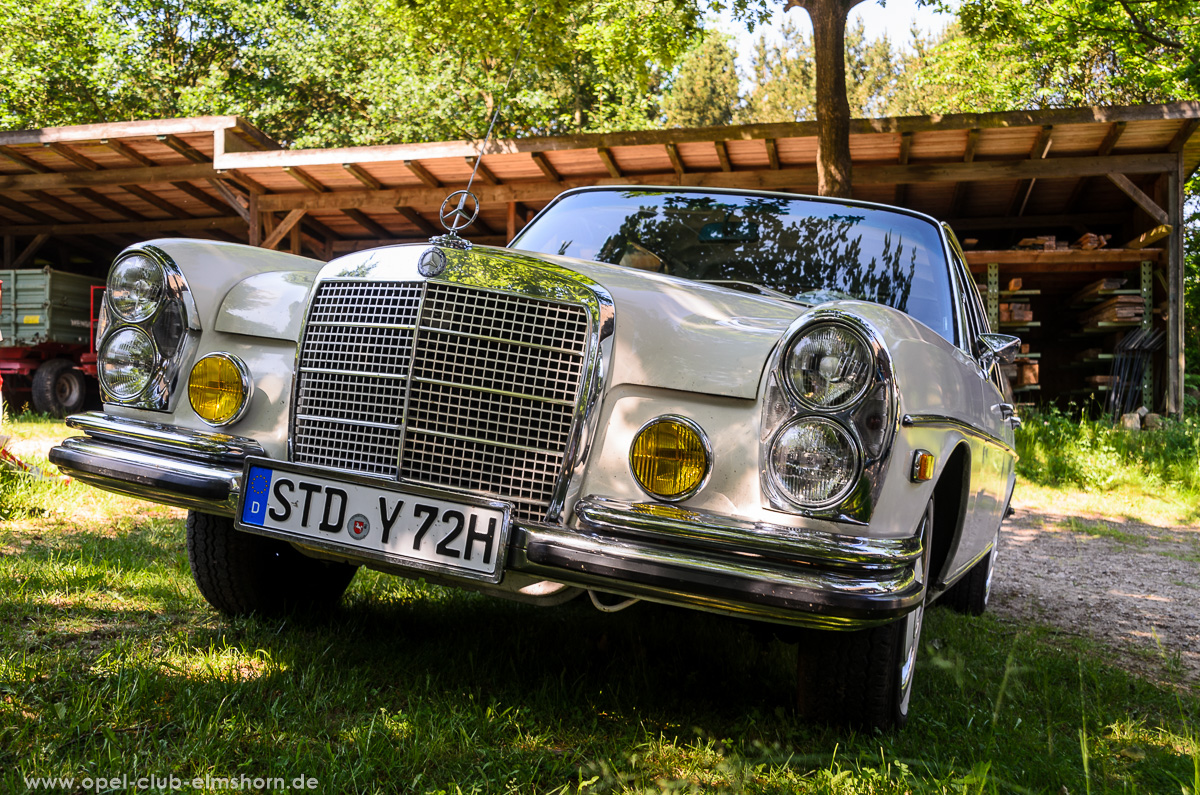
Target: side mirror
[[997, 349]]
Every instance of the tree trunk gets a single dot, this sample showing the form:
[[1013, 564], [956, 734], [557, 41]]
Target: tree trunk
[[833, 109]]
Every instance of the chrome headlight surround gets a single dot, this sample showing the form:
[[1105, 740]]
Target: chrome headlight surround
[[869, 417], [166, 314]]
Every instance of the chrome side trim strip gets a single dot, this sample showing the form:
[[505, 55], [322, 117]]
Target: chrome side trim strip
[[685, 528], [166, 438], [934, 420]]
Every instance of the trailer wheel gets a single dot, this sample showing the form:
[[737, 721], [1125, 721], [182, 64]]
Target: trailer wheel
[[59, 388]]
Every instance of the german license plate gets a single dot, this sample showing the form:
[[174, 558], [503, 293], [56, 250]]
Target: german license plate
[[366, 518]]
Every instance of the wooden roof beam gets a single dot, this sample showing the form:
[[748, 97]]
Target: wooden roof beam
[[1039, 150], [184, 148], [232, 200], [121, 227], [1115, 130], [30, 250], [129, 153], [544, 164], [360, 174], [482, 171], [22, 159], [676, 160], [422, 173], [23, 208], [281, 231], [772, 153], [956, 122], [610, 164], [305, 179], [960, 188], [367, 223], [72, 180], [764, 179], [1181, 138], [723, 155], [417, 220], [1140, 198]]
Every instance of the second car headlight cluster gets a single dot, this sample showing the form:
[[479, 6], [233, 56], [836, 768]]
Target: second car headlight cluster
[[145, 324], [829, 414]]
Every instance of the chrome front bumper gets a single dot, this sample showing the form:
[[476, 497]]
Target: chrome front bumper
[[659, 552]]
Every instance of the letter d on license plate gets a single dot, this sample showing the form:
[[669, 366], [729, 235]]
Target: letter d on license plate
[[369, 519]]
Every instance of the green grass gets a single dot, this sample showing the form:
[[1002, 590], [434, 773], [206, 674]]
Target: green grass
[[110, 663], [1103, 530], [1057, 448]]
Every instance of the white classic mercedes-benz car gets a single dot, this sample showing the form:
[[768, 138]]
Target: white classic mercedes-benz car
[[780, 408]]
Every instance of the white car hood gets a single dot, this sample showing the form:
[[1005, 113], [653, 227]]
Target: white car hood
[[677, 334]]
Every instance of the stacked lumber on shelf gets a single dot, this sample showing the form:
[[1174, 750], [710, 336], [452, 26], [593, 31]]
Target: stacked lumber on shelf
[[1118, 309], [1096, 290], [1042, 242], [1015, 313], [1091, 242], [1098, 380]]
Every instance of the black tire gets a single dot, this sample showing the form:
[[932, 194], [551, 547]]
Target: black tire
[[240, 573], [59, 388], [970, 594], [864, 678]]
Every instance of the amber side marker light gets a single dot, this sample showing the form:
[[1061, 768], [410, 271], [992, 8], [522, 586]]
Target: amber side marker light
[[922, 468], [670, 458], [219, 389]]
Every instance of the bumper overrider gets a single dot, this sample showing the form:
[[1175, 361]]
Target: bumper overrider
[[660, 552]]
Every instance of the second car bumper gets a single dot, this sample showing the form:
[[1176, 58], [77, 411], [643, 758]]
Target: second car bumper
[[646, 550]]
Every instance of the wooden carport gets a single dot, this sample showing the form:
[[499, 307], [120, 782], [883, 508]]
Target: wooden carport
[[73, 196]]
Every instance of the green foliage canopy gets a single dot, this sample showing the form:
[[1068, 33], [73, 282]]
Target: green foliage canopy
[[345, 72]]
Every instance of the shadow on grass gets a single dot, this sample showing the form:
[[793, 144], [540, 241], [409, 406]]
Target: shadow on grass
[[410, 687]]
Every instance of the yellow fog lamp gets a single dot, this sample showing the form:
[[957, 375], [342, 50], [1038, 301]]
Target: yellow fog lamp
[[670, 458], [219, 389]]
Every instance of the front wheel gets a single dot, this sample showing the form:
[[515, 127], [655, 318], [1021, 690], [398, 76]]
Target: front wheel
[[970, 595], [240, 573], [863, 678]]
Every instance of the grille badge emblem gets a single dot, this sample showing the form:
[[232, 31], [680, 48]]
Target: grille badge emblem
[[432, 262]]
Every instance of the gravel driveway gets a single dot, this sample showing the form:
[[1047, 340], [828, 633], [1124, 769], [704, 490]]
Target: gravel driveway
[[1130, 586]]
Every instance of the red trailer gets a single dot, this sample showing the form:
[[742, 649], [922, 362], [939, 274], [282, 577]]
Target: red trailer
[[47, 339]]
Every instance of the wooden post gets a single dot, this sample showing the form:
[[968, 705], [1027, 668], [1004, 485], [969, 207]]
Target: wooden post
[[255, 234], [10, 250], [512, 220], [1175, 327], [294, 241]]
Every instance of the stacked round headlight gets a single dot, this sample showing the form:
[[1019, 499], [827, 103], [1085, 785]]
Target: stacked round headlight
[[829, 367], [839, 413], [135, 287], [814, 461], [127, 362]]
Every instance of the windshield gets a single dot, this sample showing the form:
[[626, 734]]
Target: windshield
[[807, 249]]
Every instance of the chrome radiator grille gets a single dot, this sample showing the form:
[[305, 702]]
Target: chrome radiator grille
[[442, 385]]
